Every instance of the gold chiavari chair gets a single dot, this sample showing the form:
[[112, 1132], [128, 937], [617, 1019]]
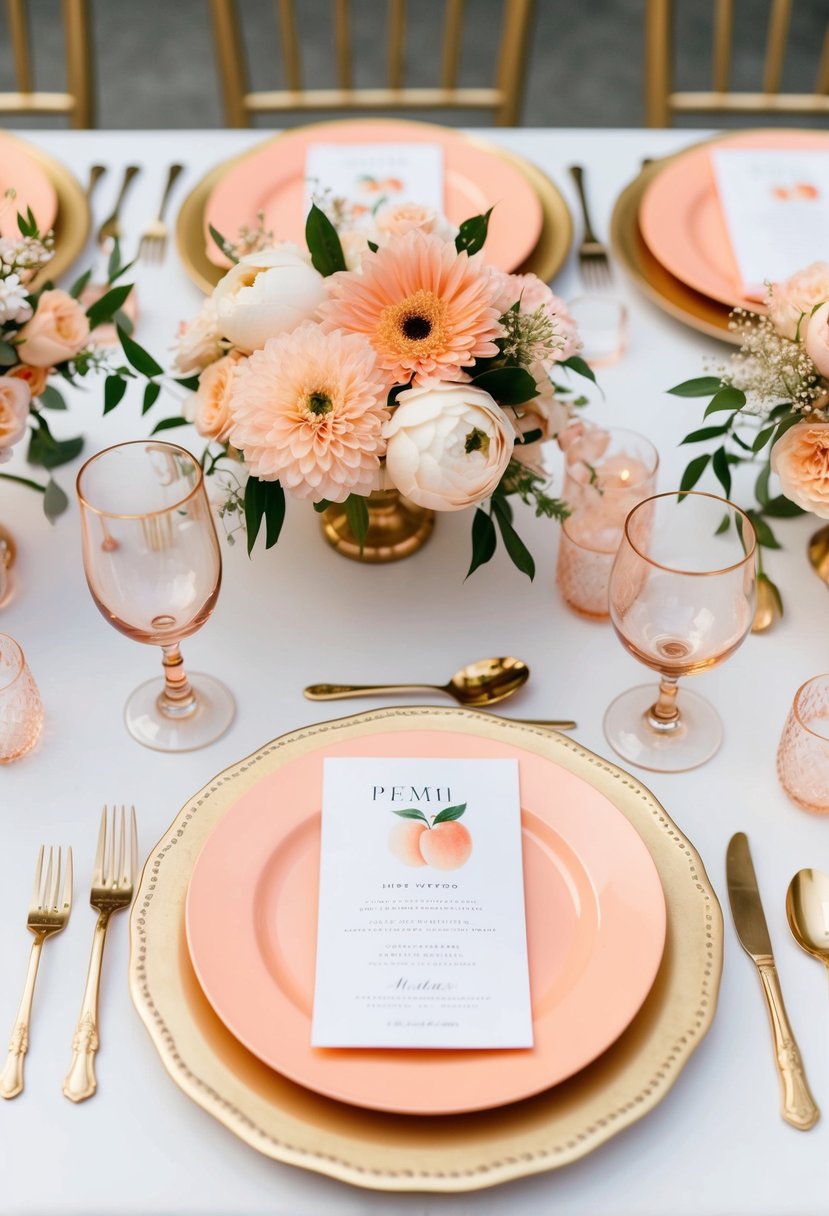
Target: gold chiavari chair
[[76, 101], [663, 102], [503, 98]]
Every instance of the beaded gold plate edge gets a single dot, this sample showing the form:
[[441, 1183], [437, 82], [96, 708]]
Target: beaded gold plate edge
[[399, 1153], [546, 259]]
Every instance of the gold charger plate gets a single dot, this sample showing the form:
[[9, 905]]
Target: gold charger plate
[[546, 259], [398, 1153], [73, 218], [650, 276]]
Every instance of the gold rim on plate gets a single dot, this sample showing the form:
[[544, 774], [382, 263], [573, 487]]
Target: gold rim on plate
[[546, 259], [73, 218], [444, 1154]]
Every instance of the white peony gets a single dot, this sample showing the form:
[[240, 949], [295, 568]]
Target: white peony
[[448, 445], [267, 293]]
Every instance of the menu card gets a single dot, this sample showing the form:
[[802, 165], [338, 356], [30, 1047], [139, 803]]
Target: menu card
[[368, 176], [776, 207], [421, 940]]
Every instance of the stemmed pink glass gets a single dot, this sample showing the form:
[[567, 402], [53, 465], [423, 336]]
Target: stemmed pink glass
[[681, 601], [154, 569]]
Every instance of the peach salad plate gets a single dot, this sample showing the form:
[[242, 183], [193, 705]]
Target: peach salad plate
[[682, 221], [22, 172], [271, 180], [596, 927]]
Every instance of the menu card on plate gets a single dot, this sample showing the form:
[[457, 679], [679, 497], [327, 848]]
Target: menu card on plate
[[421, 940], [370, 175], [776, 207]]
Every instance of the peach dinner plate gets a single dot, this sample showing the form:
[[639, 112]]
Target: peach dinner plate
[[595, 924], [272, 180], [683, 224], [21, 173]]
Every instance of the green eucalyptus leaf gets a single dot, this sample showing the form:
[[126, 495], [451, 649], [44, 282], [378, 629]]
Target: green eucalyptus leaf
[[76, 290], [323, 242], [580, 367], [765, 537], [722, 470], [693, 472], [356, 509], [55, 501], [472, 233], [484, 540], [782, 508], [518, 552], [762, 438], [508, 385], [139, 358], [151, 393], [51, 399], [8, 355], [322, 505], [114, 389], [706, 432], [702, 386], [264, 500], [104, 310], [167, 424], [761, 485]]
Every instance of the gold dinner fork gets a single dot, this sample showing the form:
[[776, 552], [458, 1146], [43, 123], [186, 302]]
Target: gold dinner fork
[[110, 231], [153, 243], [48, 913], [594, 263], [113, 879]]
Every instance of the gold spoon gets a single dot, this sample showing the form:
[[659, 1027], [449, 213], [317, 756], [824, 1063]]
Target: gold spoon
[[807, 908], [478, 684], [767, 608], [819, 554]]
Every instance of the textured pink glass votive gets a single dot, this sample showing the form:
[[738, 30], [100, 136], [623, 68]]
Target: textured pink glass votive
[[21, 709], [803, 754]]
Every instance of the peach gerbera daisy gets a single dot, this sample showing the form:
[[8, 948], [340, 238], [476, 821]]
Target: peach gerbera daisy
[[427, 310], [308, 409]]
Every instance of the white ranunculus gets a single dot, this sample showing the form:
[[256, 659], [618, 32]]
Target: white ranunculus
[[448, 445], [267, 293]]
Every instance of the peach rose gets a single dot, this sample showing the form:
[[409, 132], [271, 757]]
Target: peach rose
[[36, 377], [800, 458], [57, 331], [817, 339], [14, 412], [788, 301], [395, 219], [209, 407]]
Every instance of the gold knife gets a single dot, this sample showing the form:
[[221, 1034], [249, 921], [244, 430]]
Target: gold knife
[[797, 1106]]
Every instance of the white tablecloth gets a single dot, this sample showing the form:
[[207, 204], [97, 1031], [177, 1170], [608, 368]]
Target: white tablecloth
[[716, 1144]]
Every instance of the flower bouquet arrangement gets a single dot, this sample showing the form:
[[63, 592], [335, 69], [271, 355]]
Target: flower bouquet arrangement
[[420, 370], [48, 335], [770, 407]]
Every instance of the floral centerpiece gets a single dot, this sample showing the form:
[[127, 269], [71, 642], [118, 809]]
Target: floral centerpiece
[[770, 406], [419, 371], [48, 337]]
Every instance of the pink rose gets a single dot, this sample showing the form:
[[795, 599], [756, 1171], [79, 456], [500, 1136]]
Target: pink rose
[[789, 301], [817, 339], [57, 332], [800, 458], [534, 294], [14, 412], [209, 407], [395, 219]]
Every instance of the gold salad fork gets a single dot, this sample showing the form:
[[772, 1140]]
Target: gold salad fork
[[48, 913], [113, 879], [594, 263], [153, 243], [110, 231]]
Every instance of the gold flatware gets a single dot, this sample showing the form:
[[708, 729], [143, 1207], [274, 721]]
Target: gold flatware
[[594, 263], [49, 911], [797, 1104], [807, 909], [153, 244], [110, 230], [819, 554], [767, 607], [113, 878], [96, 172], [483, 683]]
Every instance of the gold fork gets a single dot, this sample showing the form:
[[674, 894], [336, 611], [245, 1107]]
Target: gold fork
[[153, 243], [48, 913], [594, 263], [110, 231], [112, 887]]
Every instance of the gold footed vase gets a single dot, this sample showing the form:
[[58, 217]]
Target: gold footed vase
[[397, 528]]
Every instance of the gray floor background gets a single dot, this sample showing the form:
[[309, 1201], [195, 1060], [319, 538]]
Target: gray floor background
[[156, 66]]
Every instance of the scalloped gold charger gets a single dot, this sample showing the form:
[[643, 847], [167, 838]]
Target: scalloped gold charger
[[399, 1153], [546, 259]]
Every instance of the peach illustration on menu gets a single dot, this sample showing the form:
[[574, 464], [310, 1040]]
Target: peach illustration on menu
[[440, 842]]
